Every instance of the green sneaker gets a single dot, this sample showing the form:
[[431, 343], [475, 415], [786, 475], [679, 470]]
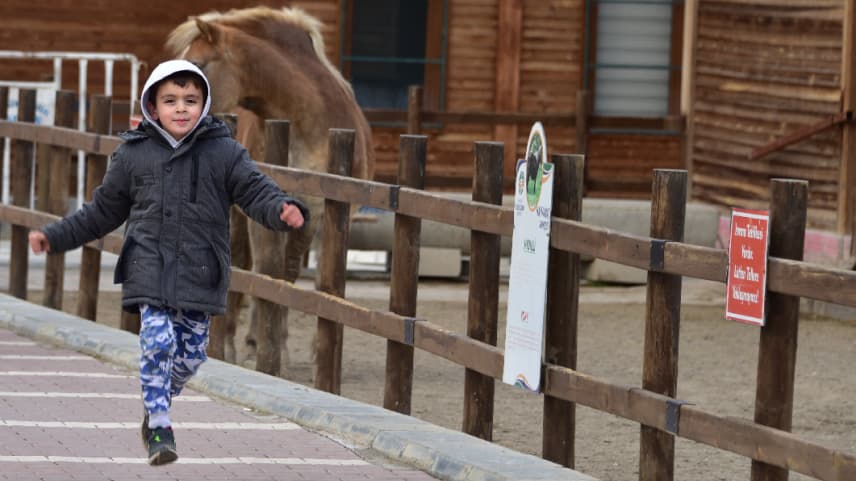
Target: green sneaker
[[162, 447]]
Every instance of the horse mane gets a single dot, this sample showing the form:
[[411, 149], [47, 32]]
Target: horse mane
[[184, 34]]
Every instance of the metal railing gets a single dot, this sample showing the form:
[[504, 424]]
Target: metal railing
[[82, 59]]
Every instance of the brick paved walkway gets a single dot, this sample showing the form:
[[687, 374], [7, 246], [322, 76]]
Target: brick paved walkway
[[67, 416]]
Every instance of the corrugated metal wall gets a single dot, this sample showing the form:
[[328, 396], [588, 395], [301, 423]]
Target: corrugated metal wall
[[764, 69]]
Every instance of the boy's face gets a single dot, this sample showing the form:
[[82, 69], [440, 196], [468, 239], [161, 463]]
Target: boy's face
[[178, 108]]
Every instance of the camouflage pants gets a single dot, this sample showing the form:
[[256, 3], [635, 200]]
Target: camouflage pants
[[173, 346]]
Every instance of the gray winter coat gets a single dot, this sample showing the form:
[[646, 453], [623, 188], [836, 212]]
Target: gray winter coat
[[176, 203]]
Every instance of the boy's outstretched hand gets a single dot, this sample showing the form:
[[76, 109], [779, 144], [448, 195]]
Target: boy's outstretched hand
[[290, 214], [39, 242]]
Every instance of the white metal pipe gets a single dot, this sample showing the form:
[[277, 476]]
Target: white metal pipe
[[57, 78], [108, 78], [109, 60], [27, 85], [7, 147], [135, 84], [33, 177], [69, 55]]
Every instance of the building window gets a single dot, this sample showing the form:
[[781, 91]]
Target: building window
[[633, 56], [390, 45]]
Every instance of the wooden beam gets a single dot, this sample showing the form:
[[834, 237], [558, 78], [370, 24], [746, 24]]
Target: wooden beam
[[801, 134], [688, 88], [847, 184], [332, 266], [483, 301], [60, 136], [507, 92], [100, 113], [676, 55], [404, 275], [777, 350], [21, 173], [54, 194], [563, 296], [662, 320], [270, 257], [434, 50]]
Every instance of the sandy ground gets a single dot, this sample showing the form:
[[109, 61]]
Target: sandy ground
[[717, 369]]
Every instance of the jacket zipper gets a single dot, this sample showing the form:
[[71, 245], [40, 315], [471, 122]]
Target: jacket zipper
[[194, 174]]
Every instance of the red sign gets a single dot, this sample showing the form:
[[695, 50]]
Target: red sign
[[747, 266]]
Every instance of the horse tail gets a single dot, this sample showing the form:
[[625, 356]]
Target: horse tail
[[365, 147]]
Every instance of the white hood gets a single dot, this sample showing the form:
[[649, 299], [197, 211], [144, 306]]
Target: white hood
[[162, 71]]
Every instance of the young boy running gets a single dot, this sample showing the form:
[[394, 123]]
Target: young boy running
[[173, 180]]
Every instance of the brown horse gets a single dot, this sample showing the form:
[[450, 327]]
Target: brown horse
[[270, 64]]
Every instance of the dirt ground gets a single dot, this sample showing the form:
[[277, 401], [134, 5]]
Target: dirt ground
[[717, 370]]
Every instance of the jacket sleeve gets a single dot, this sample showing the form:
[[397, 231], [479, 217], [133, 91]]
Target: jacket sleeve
[[258, 195], [110, 206]]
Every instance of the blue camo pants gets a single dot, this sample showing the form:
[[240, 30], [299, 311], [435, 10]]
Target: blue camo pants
[[173, 346]]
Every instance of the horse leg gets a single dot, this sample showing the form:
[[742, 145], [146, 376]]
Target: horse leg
[[241, 258], [299, 243]]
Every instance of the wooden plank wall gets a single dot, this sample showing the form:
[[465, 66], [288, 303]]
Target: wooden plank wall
[[762, 71], [551, 58], [621, 166], [551, 66]]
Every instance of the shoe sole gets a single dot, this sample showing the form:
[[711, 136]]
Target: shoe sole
[[164, 456], [145, 432]]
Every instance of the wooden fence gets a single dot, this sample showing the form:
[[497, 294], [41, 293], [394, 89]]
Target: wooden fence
[[766, 440]]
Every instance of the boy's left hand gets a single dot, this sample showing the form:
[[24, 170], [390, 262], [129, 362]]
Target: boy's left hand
[[291, 215]]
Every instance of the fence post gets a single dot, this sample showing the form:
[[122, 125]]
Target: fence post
[[332, 265], [404, 278], [483, 302], [663, 317], [99, 122], [21, 174], [269, 248], [777, 352], [217, 331], [414, 109], [55, 193], [563, 290], [581, 128], [4, 108]]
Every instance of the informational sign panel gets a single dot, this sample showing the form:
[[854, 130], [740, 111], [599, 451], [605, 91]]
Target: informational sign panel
[[747, 266], [527, 283]]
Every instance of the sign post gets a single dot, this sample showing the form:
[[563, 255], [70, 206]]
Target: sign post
[[747, 266], [527, 284]]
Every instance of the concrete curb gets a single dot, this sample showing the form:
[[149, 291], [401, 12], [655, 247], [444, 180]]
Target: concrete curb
[[443, 453]]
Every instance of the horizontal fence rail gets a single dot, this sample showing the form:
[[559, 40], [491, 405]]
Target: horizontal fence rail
[[796, 278], [668, 414]]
